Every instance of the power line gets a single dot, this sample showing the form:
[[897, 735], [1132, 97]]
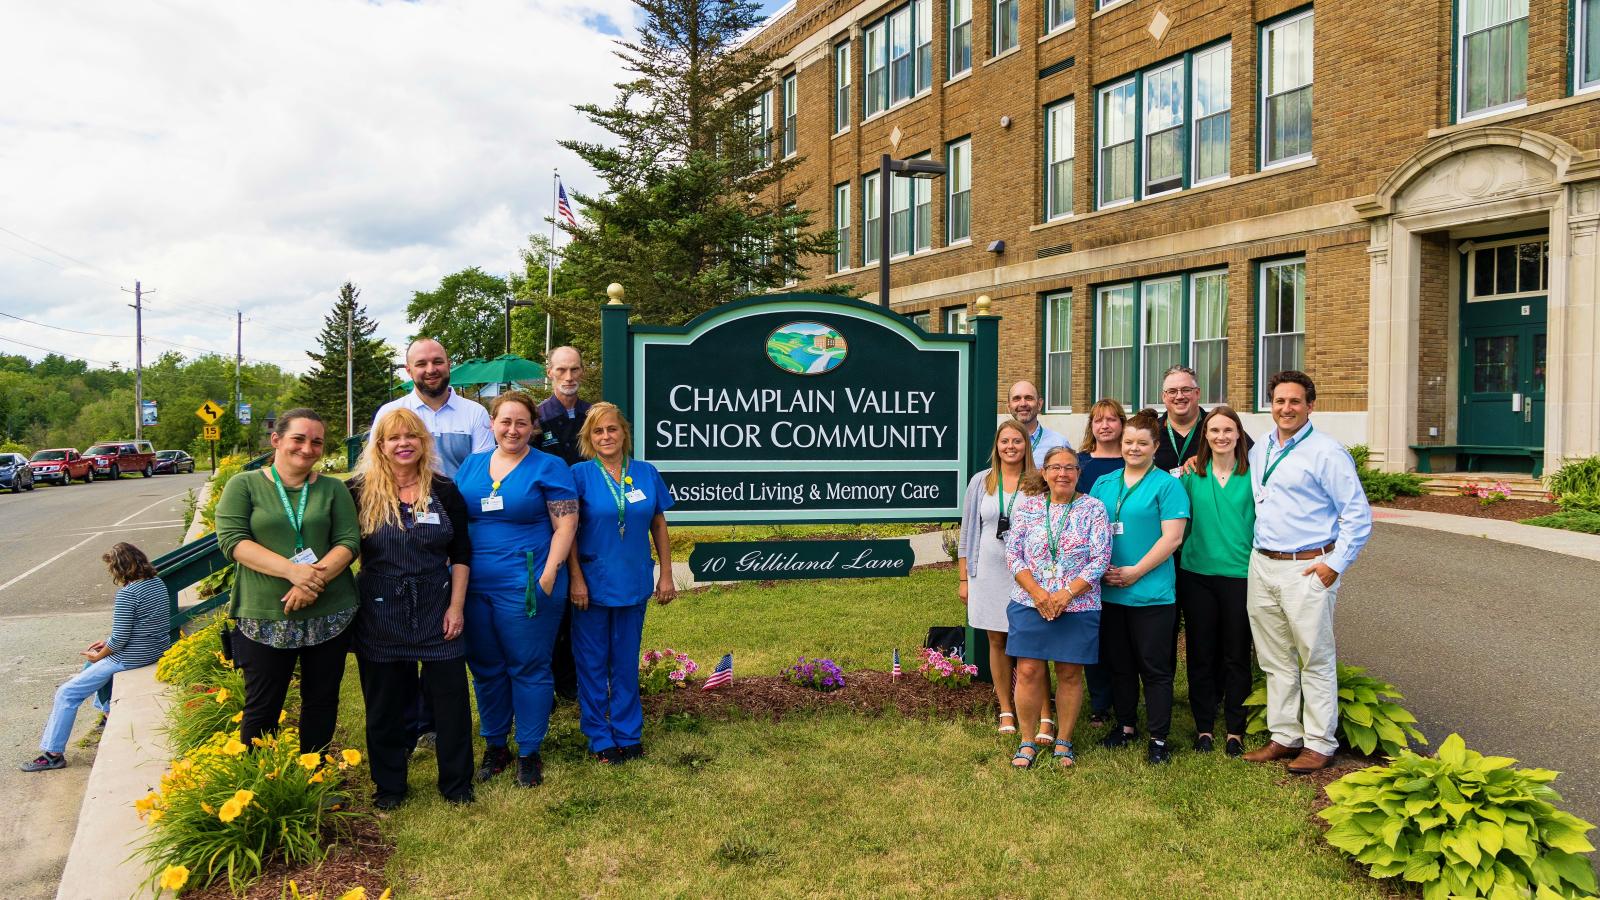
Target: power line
[[125, 337], [56, 252], [103, 362]]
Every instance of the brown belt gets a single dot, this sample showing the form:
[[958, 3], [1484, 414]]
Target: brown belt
[[1303, 554]]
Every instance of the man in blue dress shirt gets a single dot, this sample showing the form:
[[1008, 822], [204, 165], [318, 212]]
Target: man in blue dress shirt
[[1024, 405], [1312, 519]]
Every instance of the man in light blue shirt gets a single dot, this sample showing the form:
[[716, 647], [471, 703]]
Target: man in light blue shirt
[[1024, 406], [1312, 519], [460, 427]]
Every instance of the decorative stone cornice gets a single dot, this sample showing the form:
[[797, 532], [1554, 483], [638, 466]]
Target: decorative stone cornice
[[1571, 164]]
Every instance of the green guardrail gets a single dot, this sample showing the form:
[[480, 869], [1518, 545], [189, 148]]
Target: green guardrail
[[185, 566], [352, 449]]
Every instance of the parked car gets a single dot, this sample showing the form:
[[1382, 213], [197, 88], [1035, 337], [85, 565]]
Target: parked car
[[173, 462], [112, 459], [61, 466], [15, 473]]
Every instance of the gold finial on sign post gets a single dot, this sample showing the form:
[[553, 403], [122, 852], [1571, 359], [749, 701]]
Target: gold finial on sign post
[[983, 304], [615, 292]]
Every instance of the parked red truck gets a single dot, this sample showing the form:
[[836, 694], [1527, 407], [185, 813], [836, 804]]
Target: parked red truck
[[61, 466], [114, 458]]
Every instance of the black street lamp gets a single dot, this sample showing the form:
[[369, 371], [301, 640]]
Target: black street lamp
[[887, 169]]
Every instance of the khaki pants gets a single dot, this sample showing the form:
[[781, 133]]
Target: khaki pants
[[1291, 619]]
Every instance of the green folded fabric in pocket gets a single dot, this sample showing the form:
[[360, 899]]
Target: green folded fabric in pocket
[[531, 595]]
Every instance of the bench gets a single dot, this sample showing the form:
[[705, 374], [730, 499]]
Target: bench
[[1469, 454]]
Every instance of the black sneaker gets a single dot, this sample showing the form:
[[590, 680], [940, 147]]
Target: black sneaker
[[609, 756], [1159, 753], [1235, 747], [495, 760], [45, 762], [465, 799], [388, 801], [1205, 743], [530, 770], [632, 751], [1118, 739]]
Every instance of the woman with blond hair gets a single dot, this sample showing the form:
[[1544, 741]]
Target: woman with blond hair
[[415, 558], [986, 583], [622, 505]]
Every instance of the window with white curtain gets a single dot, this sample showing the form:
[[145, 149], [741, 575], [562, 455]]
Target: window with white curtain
[[1286, 90], [960, 37], [1283, 320], [1058, 351], [1114, 351], [1059, 141], [1212, 78], [958, 205], [1491, 55], [1160, 334], [841, 226], [1208, 334]]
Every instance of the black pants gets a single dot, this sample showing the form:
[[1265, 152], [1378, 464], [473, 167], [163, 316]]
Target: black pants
[[1136, 642], [1217, 630], [267, 671], [389, 688], [418, 710], [563, 670]]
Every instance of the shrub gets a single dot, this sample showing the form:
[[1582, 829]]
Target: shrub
[[1368, 719], [1382, 487], [1569, 519], [201, 710], [1576, 485], [1461, 824], [195, 659], [663, 670], [946, 671], [817, 674]]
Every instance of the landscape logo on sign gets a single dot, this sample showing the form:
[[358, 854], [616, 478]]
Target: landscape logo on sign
[[806, 348]]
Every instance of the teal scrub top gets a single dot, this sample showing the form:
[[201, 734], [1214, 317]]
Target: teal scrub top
[[1157, 497], [617, 568]]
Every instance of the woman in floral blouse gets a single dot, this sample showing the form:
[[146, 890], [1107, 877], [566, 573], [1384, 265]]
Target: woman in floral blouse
[[1059, 546]]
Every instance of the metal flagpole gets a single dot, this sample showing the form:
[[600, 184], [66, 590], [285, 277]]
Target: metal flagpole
[[550, 260]]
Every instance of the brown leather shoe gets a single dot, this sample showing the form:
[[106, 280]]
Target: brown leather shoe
[[1273, 750], [1309, 761]]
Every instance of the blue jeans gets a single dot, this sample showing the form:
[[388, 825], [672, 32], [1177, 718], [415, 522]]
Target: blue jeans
[[71, 695]]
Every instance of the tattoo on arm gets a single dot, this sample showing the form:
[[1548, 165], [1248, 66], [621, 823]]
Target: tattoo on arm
[[559, 508]]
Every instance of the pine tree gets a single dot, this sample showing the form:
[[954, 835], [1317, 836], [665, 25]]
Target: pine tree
[[698, 207], [322, 388]]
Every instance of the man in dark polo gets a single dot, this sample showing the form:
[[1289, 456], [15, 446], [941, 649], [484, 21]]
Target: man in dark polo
[[561, 419]]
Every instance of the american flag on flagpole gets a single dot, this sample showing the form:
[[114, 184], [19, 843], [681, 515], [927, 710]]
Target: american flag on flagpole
[[563, 208], [895, 672], [721, 675]]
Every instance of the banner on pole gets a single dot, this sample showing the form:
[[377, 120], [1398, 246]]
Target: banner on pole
[[147, 414]]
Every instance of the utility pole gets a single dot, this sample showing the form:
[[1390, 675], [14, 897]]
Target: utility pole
[[138, 293], [238, 359], [550, 260], [349, 374]]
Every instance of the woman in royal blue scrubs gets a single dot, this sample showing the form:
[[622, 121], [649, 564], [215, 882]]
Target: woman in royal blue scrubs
[[623, 504], [522, 512]]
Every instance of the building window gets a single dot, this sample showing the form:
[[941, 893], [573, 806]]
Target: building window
[[960, 36], [1114, 333], [899, 51], [760, 122], [910, 214], [1058, 14], [841, 227], [1286, 90], [841, 87], [1116, 132], [1212, 77], [870, 218], [1492, 53], [922, 320], [1058, 351], [1507, 269], [1005, 25], [1163, 129], [791, 115], [1283, 320], [1208, 334], [791, 238], [958, 205], [1059, 141], [1160, 332], [955, 320], [1586, 57]]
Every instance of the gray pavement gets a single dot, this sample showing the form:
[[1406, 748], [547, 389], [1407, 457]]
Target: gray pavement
[[55, 599], [1491, 640]]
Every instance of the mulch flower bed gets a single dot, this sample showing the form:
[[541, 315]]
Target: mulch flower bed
[[1506, 510], [357, 859], [871, 693]]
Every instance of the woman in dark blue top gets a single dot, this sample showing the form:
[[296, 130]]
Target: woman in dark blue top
[[1100, 454], [622, 511], [522, 512]]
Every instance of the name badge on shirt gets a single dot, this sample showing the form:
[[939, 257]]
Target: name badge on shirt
[[635, 496], [430, 518], [1116, 527], [549, 437], [1176, 471], [305, 557], [493, 504]]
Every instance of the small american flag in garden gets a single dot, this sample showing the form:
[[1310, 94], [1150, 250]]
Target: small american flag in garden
[[895, 672], [721, 675], [563, 207]]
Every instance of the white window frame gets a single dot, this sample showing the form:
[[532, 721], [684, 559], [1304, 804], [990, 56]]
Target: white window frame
[[1462, 113], [910, 197], [959, 40], [1582, 39], [1220, 395], [958, 161], [1132, 347], [791, 234], [916, 18], [1058, 329], [870, 241], [1541, 290], [1148, 374], [923, 320], [1195, 118], [1016, 32], [761, 126], [791, 114], [1146, 99], [841, 87], [1060, 147], [1263, 402], [1263, 97], [1052, 10], [875, 63], [955, 320], [1132, 142], [841, 226]]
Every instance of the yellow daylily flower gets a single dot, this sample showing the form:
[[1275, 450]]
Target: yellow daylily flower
[[222, 695], [282, 714], [233, 747], [310, 761], [356, 893], [237, 717], [351, 757], [209, 809], [174, 877]]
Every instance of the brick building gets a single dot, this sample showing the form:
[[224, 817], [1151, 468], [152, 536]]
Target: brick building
[[1400, 198]]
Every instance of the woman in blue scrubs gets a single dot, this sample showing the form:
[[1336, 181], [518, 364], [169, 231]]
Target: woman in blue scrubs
[[522, 513], [623, 504]]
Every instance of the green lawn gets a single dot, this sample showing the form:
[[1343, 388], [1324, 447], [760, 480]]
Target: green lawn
[[833, 804]]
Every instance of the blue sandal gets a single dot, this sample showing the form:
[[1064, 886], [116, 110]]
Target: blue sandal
[[1064, 755], [1021, 760]]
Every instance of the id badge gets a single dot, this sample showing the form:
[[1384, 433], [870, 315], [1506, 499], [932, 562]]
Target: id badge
[[304, 558], [1116, 527], [493, 503], [635, 496], [430, 518], [1176, 471]]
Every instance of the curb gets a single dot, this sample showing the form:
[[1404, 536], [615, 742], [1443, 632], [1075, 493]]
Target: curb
[[1553, 540]]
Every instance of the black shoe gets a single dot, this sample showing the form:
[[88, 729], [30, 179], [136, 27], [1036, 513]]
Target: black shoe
[[1159, 753], [1118, 739], [1235, 747], [1097, 719], [1205, 743], [609, 756], [44, 762], [495, 760], [388, 801], [462, 799], [530, 770], [632, 751]]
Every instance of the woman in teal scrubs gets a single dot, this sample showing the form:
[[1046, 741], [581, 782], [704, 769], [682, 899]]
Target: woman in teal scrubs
[[522, 512], [622, 511]]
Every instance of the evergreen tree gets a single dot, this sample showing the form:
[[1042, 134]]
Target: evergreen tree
[[698, 203], [322, 388]]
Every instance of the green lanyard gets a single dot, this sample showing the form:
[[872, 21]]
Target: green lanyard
[[1173, 437], [1287, 448], [1050, 531], [619, 490], [1123, 493], [296, 518], [1000, 485], [1036, 437]]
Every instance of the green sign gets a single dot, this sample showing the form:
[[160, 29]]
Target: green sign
[[805, 407], [776, 560]]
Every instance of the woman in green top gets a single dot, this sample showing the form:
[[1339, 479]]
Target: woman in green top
[[1212, 580], [294, 536]]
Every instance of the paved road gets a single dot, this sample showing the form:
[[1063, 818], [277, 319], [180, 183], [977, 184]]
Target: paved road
[[55, 599], [1494, 641]]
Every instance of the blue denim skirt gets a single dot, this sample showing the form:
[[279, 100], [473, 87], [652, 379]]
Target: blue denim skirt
[[1073, 637]]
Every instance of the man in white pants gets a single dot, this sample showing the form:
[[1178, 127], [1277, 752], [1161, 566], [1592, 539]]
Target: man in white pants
[[1312, 519]]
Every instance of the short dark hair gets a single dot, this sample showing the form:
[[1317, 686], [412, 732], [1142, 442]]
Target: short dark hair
[[299, 412], [1292, 376], [128, 564]]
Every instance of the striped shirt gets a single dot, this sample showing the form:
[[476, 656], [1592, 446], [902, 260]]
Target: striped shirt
[[140, 623]]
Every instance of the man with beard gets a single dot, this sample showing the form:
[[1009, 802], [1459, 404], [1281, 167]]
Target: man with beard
[[1023, 402], [562, 417], [460, 428]]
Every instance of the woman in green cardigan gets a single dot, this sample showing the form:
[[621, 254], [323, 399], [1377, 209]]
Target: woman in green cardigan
[[1212, 575], [294, 536]]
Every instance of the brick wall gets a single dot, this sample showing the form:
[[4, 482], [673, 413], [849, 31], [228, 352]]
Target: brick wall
[[1434, 304]]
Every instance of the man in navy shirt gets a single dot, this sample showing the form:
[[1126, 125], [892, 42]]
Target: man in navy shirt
[[561, 418]]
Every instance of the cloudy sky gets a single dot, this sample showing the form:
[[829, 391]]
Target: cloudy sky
[[255, 155]]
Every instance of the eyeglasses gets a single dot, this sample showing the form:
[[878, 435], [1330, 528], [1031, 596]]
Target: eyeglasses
[[1180, 392], [1058, 467]]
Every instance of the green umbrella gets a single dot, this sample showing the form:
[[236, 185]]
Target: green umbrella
[[500, 370], [465, 372]]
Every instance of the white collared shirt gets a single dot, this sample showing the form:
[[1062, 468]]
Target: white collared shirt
[[1314, 497], [460, 427]]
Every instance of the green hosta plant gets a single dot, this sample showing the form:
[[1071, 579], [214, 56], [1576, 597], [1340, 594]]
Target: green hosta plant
[[1462, 824], [1369, 720]]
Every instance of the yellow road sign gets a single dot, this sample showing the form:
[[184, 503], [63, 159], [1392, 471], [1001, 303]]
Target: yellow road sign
[[209, 412], [211, 432]]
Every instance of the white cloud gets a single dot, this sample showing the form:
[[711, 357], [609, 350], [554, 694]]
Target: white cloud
[[256, 155]]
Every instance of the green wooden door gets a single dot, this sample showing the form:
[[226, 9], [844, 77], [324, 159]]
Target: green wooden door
[[1503, 372]]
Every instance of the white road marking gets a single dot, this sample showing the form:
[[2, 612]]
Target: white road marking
[[52, 559], [151, 506]]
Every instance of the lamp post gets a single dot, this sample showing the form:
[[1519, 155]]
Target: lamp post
[[888, 167]]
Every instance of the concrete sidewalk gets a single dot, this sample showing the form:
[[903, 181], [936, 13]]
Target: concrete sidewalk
[[1554, 540]]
